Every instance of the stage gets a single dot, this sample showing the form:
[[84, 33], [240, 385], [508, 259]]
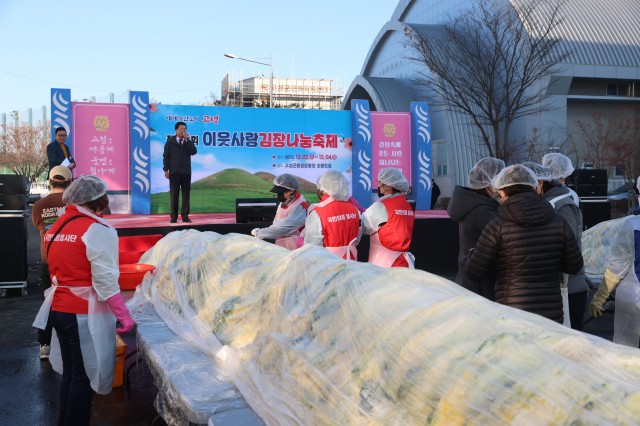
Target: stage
[[434, 244]]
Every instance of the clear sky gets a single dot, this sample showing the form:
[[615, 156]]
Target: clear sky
[[174, 49]]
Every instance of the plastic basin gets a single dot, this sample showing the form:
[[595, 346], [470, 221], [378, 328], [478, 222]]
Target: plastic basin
[[131, 275]]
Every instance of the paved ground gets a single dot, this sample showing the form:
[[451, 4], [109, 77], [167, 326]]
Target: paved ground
[[30, 387]]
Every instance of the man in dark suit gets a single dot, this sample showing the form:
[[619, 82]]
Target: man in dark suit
[[58, 151], [177, 168]]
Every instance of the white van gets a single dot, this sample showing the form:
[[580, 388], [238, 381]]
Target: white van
[[37, 190]]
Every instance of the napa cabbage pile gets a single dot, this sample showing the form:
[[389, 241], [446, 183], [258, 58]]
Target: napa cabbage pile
[[311, 339]]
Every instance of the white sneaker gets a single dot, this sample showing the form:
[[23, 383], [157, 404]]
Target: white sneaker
[[44, 351]]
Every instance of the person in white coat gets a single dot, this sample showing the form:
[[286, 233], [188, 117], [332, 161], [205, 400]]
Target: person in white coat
[[82, 249], [390, 222], [290, 215], [622, 273]]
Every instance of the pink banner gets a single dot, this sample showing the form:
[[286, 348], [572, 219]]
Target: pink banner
[[101, 142], [391, 143]]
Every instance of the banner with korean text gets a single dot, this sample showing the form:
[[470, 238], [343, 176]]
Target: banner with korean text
[[391, 143], [241, 150], [101, 143], [380, 140]]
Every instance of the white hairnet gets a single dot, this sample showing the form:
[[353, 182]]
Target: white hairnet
[[484, 171], [515, 175], [288, 181], [394, 178], [543, 173], [559, 163], [335, 184], [84, 189]]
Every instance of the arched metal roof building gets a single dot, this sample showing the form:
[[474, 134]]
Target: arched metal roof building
[[600, 39]]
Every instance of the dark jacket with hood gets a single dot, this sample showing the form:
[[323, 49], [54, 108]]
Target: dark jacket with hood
[[530, 244], [473, 212]]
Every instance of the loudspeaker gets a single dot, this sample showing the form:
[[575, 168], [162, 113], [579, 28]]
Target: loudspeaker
[[12, 202], [13, 184], [597, 190], [13, 250], [255, 209], [590, 177], [590, 182], [594, 212]]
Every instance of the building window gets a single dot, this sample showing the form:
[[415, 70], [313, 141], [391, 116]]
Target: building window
[[618, 171], [620, 89]]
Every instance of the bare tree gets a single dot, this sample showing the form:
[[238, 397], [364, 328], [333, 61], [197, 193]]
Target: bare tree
[[613, 141], [489, 63], [540, 142], [211, 99], [23, 148]]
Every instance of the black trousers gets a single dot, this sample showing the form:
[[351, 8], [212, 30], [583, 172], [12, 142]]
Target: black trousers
[[577, 308], [75, 388], [177, 183]]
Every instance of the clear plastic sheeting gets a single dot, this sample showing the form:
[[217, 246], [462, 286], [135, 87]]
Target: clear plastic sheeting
[[192, 388], [596, 247], [311, 339]]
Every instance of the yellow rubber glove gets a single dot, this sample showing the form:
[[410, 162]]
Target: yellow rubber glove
[[610, 282]]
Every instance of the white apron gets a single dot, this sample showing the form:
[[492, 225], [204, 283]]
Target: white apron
[[289, 242], [294, 240], [343, 250], [626, 322], [97, 331], [381, 256]]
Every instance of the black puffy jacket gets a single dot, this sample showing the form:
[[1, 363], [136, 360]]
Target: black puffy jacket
[[530, 244], [473, 212]]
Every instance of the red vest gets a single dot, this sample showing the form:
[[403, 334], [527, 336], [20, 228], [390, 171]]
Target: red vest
[[68, 260], [340, 222], [396, 233]]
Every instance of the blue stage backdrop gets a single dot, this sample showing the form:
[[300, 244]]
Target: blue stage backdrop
[[140, 151], [369, 152], [61, 113], [421, 166], [362, 152], [241, 150]]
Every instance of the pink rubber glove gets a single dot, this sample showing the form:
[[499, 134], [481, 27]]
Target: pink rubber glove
[[119, 309]]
